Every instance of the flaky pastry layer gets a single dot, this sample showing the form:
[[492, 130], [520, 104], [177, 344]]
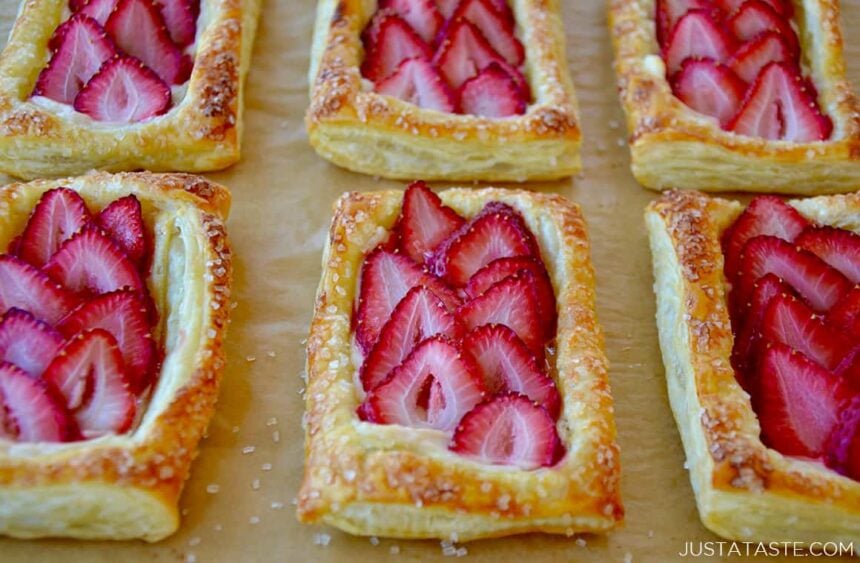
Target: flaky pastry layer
[[391, 480], [201, 132], [352, 126], [744, 490], [673, 146], [128, 486]]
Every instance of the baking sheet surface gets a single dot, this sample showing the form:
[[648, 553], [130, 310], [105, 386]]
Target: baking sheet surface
[[237, 505]]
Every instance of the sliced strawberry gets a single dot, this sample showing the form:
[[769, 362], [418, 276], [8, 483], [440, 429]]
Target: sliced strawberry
[[668, 12], [755, 17], [709, 88], [30, 411], [123, 314], [417, 317], [782, 7], [509, 430], [491, 93], [843, 447], [393, 42], [755, 54], [24, 287], [180, 16], [60, 213], [697, 35], [495, 27], [779, 107], [425, 222], [845, 314], [433, 388], [748, 327], [418, 82], [91, 263], [124, 91], [422, 15], [506, 364], [510, 302], [27, 342], [91, 377], [497, 270], [840, 248], [498, 231], [765, 215], [99, 10], [386, 277], [122, 221], [799, 403], [80, 49], [138, 27], [819, 284]]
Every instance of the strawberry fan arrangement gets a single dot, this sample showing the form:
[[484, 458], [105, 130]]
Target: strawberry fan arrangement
[[76, 345], [739, 62], [453, 319], [447, 56], [116, 60], [795, 310]]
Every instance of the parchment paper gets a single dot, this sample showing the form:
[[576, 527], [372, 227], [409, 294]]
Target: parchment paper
[[238, 503]]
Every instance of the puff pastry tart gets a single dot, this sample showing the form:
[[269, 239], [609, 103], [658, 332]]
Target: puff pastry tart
[[736, 95], [443, 89], [114, 295], [457, 386], [124, 84], [759, 319]]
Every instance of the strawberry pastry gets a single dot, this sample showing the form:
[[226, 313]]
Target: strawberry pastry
[[117, 60], [451, 56]]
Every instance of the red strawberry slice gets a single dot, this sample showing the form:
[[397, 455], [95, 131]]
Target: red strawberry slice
[[765, 215], [80, 48], [417, 317], [779, 107], [668, 12], [91, 377], [843, 447], [755, 17], [845, 314], [491, 93], [782, 7], [709, 88], [392, 42], [506, 364], [138, 27], [30, 411], [697, 35], [433, 388], [99, 10], [464, 52], [792, 323], [498, 231], [124, 91], [495, 27], [27, 342], [91, 263], [748, 327], [124, 314], [122, 221], [180, 16], [840, 248], [497, 270], [755, 54], [386, 277], [422, 15], [425, 222], [820, 285], [799, 402], [24, 287], [510, 302], [509, 430], [418, 82], [60, 213]]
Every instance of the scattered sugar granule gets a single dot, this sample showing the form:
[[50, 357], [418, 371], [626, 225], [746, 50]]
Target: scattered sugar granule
[[276, 436], [194, 541], [255, 484], [190, 558], [266, 467], [248, 450], [213, 488], [581, 542], [276, 505], [322, 539], [272, 421], [254, 520], [235, 430], [628, 557], [271, 353], [250, 359], [394, 549], [374, 540]]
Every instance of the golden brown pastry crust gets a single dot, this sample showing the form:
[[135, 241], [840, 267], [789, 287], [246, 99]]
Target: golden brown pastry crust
[[673, 146], [201, 132], [123, 487], [744, 490], [358, 129], [390, 480]]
